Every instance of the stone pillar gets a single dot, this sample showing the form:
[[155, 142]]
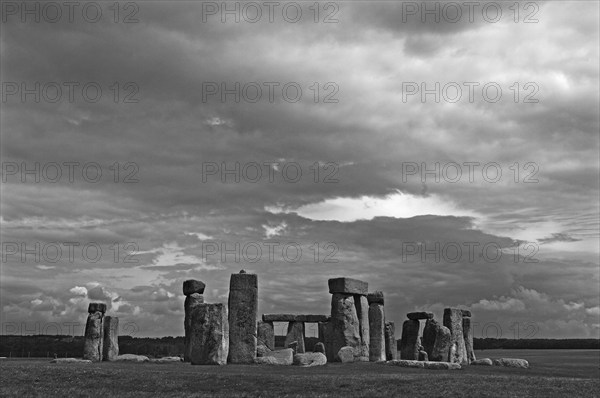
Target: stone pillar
[[326, 337], [391, 347], [295, 333], [348, 301], [209, 335], [94, 332], [243, 310], [453, 320], [468, 336], [110, 349], [376, 327], [193, 290], [265, 334], [409, 342]]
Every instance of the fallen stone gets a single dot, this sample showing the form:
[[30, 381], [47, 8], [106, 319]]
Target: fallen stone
[[165, 360], [243, 307], [295, 333], [110, 346], [345, 324], [375, 297], [209, 335], [391, 347], [346, 354], [319, 347], [512, 363], [310, 359], [265, 334], [453, 320], [423, 356], [70, 360], [189, 304], [376, 332], [415, 316], [192, 286], [362, 312], [294, 318], [261, 350], [409, 342], [468, 336], [424, 364], [347, 286], [132, 358], [482, 362], [96, 307], [280, 357], [94, 336]]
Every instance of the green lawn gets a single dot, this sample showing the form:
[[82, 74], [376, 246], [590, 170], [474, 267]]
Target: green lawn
[[559, 374]]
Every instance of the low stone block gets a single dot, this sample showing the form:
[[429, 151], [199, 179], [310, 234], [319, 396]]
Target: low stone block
[[482, 362], [165, 360], [310, 359], [280, 357], [424, 364], [415, 316], [132, 358], [346, 354], [512, 363], [70, 360], [375, 297], [348, 286], [192, 286], [96, 307]]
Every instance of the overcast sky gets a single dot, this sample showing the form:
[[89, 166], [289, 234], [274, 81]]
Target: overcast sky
[[512, 171]]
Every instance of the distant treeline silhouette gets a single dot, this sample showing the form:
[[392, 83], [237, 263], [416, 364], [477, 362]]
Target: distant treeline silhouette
[[37, 346]]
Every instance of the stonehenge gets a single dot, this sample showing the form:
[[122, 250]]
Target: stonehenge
[[242, 308], [110, 347], [209, 337], [391, 347], [101, 336], [193, 290], [377, 343], [295, 331], [453, 320]]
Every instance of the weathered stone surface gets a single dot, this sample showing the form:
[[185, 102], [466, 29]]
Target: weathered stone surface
[[70, 360], [415, 316], [243, 308], [362, 311], [409, 342], [295, 333], [280, 357], [94, 337], [165, 360], [190, 302], [453, 321], [294, 318], [391, 347], [192, 286], [430, 332], [262, 350], [326, 336], [441, 347], [375, 297], [468, 337], [466, 313], [512, 363], [345, 323], [346, 354], [110, 346], [347, 286], [310, 359], [482, 362], [265, 334], [424, 364], [377, 332], [319, 347], [96, 307], [132, 358], [423, 356], [293, 345], [209, 335]]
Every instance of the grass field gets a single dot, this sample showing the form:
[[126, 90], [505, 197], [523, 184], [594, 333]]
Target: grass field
[[553, 373]]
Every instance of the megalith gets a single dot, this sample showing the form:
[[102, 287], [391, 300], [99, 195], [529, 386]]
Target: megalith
[[110, 345], [391, 347], [265, 334], [193, 290], [243, 309], [468, 336], [94, 332], [409, 342], [209, 335], [376, 327], [295, 333], [453, 320]]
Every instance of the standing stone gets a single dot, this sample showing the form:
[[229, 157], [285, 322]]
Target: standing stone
[[468, 336], [110, 346], [295, 333], [453, 320], [441, 347], [430, 332], [377, 333], [265, 334], [391, 347], [409, 343], [362, 311], [243, 308], [190, 302], [326, 337], [209, 338], [345, 323], [94, 337]]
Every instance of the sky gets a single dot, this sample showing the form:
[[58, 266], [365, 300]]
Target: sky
[[448, 157]]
